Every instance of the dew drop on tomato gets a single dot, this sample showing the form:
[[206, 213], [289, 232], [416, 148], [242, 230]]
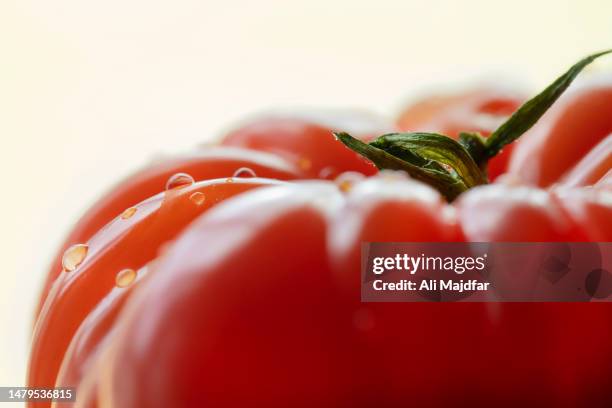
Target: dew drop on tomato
[[179, 180], [125, 277], [244, 172], [128, 213], [197, 198], [74, 256]]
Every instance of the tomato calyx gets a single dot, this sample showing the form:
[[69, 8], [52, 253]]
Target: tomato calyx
[[454, 166], [434, 159]]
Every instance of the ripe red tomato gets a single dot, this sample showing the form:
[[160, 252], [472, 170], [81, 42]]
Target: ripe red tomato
[[244, 291]]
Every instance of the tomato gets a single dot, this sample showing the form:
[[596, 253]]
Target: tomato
[[244, 291], [580, 120], [481, 110]]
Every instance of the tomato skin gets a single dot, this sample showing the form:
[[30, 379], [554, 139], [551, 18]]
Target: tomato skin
[[93, 332], [579, 120], [359, 381], [387, 208], [474, 110], [568, 373], [481, 109], [256, 302], [588, 209], [124, 243], [215, 162], [263, 340], [310, 146], [303, 352], [605, 182], [591, 167], [398, 340], [302, 347], [505, 213]]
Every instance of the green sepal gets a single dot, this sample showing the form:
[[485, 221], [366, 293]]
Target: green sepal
[[431, 161], [441, 153], [532, 110]]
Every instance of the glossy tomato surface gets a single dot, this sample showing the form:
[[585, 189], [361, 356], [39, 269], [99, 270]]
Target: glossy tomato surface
[[237, 284], [214, 162], [308, 145], [305, 324]]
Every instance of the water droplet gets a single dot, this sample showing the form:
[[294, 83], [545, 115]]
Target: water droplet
[[229, 180], [125, 278], [197, 198], [347, 180], [128, 213], [304, 163], [244, 172], [345, 186], [179, 180], [74, 256]]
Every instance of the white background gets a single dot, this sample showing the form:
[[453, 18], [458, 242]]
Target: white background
[[90, 90]]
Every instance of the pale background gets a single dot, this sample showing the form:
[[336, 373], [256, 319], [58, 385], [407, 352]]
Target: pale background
[[91, 90]]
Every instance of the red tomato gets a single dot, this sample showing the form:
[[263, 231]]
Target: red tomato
[[244, 291], [477, 110]]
